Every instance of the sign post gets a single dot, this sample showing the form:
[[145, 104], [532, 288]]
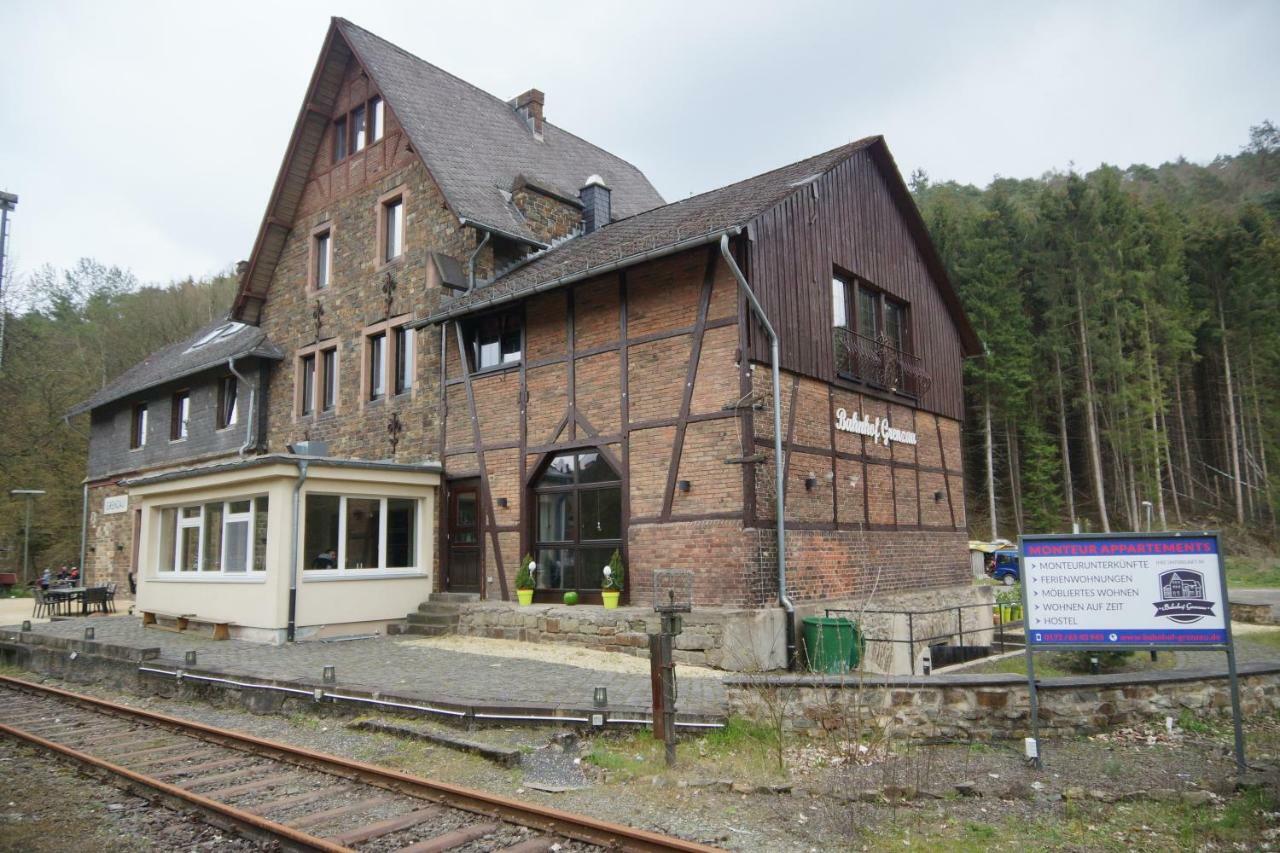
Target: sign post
[[1126, 592]]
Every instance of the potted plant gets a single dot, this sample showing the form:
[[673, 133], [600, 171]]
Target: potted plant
[[612, 583], [524, 580], [1008, 605]]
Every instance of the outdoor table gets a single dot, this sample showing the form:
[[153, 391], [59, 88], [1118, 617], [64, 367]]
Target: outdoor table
[[72, 593]]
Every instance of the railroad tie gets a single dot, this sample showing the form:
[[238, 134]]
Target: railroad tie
[[292, 800], [320, 817], [450, 840], [196, 769], [255, 785], [541, 844], [386, 827]]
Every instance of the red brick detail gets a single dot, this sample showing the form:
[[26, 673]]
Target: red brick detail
[[545, 327], [548, 402], [650, 458], [714, 485], [595, 309], [597, 380], [655, 377], [716, 384], [850, 487], [664, 295], [497, 399]]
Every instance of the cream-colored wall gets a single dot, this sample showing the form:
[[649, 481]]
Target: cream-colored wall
[[260, 600]]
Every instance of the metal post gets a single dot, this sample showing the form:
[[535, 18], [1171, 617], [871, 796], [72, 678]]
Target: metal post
[[1235, 708], [26, 545], [911, 640]]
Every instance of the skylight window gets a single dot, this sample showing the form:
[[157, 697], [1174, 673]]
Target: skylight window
[[224, 331]]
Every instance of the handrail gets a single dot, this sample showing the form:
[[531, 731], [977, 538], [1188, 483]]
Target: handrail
[[879, 363]]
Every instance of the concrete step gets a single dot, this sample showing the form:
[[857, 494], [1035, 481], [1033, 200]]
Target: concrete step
[[455, 597], [438, 620], [426, 630], [439, 607]]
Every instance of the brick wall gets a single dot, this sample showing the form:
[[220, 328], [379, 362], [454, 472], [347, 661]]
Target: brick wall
[[109, 551]]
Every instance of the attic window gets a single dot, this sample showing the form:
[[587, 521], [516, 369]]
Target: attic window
[[375, 128], [339, 139], [226, 330]]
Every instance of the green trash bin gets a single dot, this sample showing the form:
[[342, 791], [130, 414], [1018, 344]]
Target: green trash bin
[[832, 644]]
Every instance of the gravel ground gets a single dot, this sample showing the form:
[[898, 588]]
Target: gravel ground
[[720, 795], [48, 807], [563, 654]]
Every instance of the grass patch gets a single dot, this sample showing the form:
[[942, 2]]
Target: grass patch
[[1189, 722], [1238, 824], [1269, 639], [1253, 572], [1055, 665], [743, 749]]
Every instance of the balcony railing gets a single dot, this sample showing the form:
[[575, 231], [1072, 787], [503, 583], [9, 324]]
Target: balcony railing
[[879, 364]]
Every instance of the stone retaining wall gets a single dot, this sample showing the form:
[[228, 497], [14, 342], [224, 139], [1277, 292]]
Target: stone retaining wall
[[742, 640], [997, 706]]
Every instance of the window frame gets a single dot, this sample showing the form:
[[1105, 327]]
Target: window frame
[[381, 570], [340, 145], [138, 422], [180, 415], [225, 419], [471, 339], [398, 196], [387, 331], [575, 542], [344, 129], [317, 354], [198, 523], [320, 269], [853, 286]]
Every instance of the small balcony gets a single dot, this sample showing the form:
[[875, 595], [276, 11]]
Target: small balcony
[[876, 362]]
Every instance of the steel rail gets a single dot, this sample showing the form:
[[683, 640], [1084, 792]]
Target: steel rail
[[580, 827], [255, 825]]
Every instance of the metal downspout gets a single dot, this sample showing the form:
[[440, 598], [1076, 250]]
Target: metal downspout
[[779, 482], [84, 534], [293, 562], [250, 439], [471, 262]]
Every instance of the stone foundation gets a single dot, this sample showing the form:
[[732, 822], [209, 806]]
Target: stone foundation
[[973, 707], [742, 640]]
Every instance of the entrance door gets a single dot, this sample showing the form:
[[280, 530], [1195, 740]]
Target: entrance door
[[463, 571]]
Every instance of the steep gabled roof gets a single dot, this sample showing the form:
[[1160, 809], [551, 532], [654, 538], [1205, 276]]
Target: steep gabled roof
[[699, 219], [475, 145], [209, 347]]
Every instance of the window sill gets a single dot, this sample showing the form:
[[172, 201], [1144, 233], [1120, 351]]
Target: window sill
[[205, 577], [386, 266], [177, 440], [498, 368], [322, 575]]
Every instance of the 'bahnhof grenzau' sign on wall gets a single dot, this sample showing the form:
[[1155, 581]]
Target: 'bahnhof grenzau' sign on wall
[[1148, 590], [878, 429]]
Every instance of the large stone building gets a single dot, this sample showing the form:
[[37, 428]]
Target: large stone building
[[465, 335]]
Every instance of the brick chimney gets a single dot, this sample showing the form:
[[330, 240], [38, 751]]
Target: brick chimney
[[529, 106], [596, 207]]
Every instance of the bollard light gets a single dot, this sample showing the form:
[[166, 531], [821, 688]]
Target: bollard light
[[190, 658], [1093, 665], [601, 697], [26, 624], [88, 633], [330, 674]]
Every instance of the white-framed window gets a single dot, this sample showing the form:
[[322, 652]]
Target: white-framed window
[[392, 229], [358, 535], [227, 537]]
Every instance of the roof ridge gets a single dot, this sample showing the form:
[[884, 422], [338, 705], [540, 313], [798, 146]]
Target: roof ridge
[[487, 93], [851, 146], [444, 71]]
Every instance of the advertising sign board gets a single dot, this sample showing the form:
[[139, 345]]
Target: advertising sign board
[[1125, 591], [1139, 591]]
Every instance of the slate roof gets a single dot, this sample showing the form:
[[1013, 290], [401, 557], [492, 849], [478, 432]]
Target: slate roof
[[182, 359], [476, 145], [698, 217]]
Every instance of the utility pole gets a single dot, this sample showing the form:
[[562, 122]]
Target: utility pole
[[8, 201], [30, 495]]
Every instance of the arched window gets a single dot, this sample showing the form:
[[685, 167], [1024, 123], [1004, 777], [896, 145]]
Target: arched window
[[577, 521]]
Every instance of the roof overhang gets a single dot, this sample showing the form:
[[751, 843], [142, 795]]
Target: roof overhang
[[274, 465]]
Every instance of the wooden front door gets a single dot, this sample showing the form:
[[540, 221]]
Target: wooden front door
[[463, 571]]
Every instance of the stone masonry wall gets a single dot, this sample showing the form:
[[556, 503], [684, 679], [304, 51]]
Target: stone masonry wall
[[978, 708], [110, 540]]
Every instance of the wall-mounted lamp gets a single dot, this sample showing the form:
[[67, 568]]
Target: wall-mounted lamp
[[937, 496], [684, 485], [502, 502], [810, 482], [119, 547]]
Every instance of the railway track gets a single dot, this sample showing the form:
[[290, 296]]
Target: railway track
[[294, 797]]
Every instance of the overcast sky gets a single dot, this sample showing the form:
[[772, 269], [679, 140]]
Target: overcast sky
[[148, 135]]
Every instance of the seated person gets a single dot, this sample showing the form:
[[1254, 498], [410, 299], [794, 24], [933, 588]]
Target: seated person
[[327, 559]]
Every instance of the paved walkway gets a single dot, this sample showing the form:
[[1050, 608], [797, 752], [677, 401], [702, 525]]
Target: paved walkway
[[395, 665]]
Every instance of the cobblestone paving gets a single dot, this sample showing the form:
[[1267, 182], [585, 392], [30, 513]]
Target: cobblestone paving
[[391, 665]]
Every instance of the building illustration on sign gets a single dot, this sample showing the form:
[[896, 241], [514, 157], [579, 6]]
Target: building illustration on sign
[[1182, 593]]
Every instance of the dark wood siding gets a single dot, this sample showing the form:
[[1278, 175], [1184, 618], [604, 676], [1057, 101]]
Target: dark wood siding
[[848, 219]]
